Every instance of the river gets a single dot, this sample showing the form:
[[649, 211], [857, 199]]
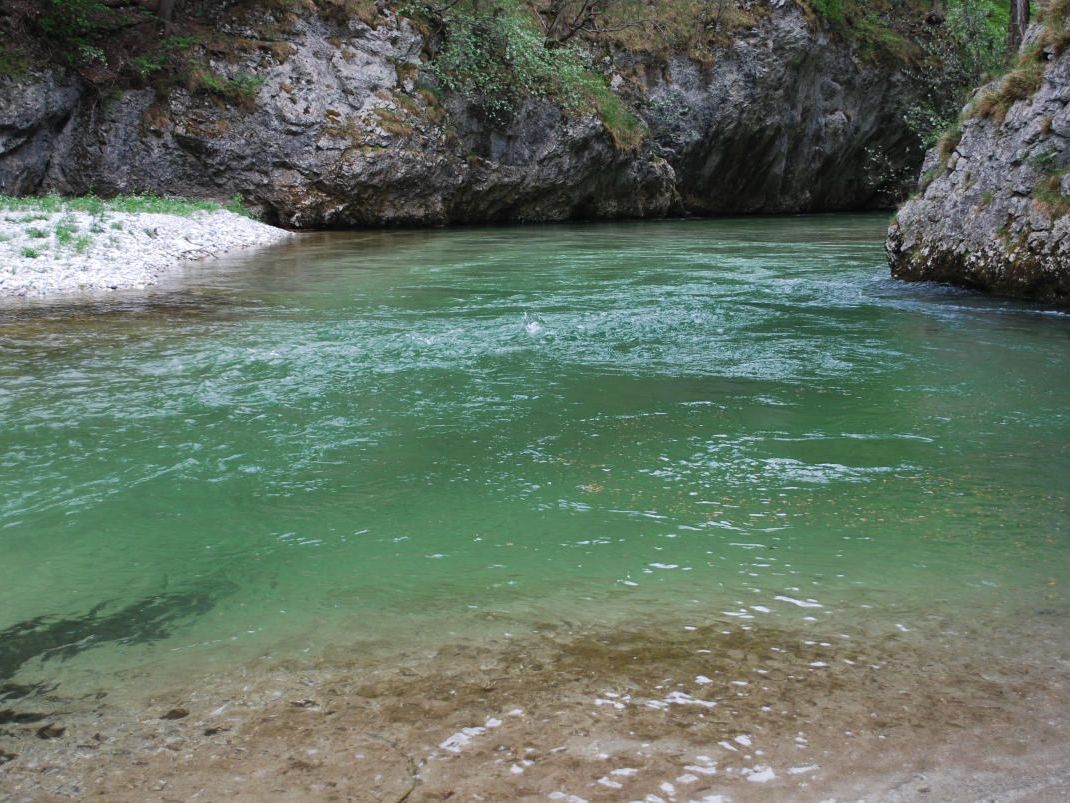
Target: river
[[713, 503]]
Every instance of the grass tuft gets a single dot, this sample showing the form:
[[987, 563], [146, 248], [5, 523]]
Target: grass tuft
[[38, 206]]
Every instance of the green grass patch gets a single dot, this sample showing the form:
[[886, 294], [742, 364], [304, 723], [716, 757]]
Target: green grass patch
[[30, 253], [1019, 84], [1048, 195], [627, 131], [66, 229], [834, 11], [39, 207]]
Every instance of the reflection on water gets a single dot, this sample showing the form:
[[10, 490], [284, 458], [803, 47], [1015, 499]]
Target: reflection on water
[[411, 438]]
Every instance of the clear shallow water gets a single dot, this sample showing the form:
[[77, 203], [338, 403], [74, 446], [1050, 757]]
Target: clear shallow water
[[414, 437]]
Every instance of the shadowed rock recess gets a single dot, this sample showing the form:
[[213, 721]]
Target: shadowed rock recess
[[994, 209], [346, 125]]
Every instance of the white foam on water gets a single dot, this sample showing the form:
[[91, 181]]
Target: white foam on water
[[801, 603], [681, 698], [759, 774], [460, 740], [695, 768], [741, 613]]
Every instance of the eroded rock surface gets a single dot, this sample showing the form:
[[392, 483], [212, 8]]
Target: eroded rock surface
[[786, 118], [994, 214]]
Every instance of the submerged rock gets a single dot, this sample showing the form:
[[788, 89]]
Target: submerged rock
[[50, 731], [345, 126], [994, 209]]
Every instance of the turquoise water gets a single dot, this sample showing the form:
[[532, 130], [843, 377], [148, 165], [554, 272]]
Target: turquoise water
[[410, 437]]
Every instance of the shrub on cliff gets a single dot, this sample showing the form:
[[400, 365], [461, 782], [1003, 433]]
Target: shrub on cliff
[[494, 56], [497, 56]]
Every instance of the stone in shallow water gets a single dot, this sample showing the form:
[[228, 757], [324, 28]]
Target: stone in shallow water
[[50, 731]]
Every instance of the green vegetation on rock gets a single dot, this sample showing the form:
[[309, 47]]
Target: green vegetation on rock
[[497, 57]]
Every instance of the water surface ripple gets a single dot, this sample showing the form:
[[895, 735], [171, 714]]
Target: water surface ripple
[[396, 435]]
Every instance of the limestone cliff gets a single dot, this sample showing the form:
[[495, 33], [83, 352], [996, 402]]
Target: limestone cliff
[[994, 210], [341, 123]]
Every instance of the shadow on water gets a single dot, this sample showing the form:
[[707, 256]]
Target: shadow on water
[[124, 309], [47, 637]]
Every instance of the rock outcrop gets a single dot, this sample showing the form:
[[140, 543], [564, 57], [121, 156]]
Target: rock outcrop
[[994, 211], [339, 129]]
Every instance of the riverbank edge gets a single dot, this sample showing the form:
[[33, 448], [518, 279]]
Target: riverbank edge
[[53, 246]]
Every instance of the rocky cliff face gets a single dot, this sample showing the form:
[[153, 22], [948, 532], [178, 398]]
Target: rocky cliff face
[[340, 130], [994, 213]]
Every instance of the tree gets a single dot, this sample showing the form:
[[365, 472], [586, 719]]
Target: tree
[[1019, 22], [564, 19]]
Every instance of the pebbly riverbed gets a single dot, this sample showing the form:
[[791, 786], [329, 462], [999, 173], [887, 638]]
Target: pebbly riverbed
[[47, 253]]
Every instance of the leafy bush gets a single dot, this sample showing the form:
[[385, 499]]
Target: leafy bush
[[968, 50], [495, 57], [835, 11]]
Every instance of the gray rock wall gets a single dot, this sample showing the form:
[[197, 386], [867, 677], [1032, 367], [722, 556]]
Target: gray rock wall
[[995, 212], [786, 120]]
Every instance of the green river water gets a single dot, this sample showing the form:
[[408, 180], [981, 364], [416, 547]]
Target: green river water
[[408, 438]]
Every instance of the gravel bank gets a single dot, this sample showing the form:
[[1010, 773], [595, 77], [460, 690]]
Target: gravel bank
[[45, 253]]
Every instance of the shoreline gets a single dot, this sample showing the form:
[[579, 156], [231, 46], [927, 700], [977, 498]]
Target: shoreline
[[55, 247]]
